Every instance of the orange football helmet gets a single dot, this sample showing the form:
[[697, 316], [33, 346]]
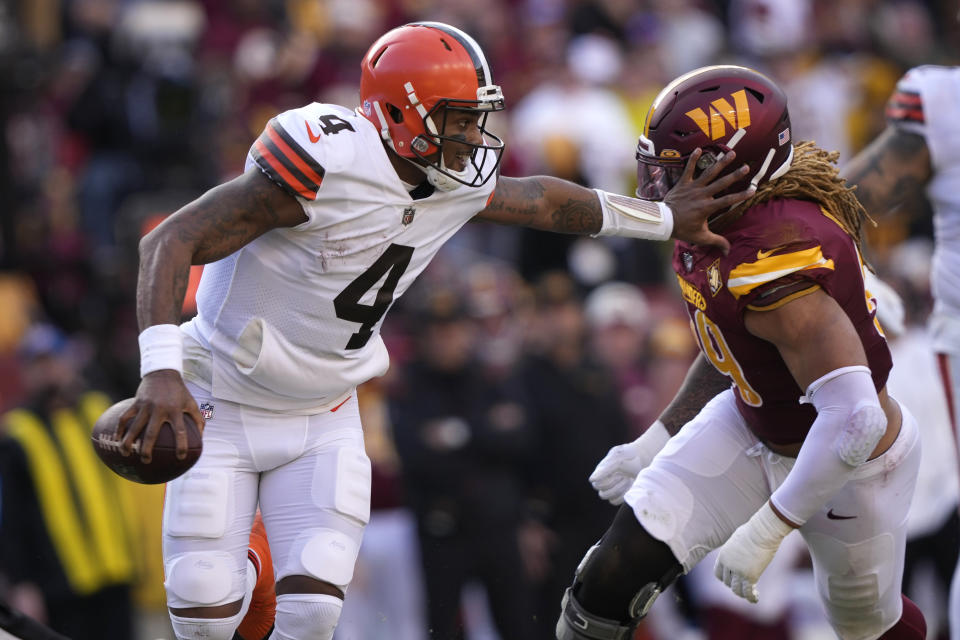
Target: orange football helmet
[[716, 108], [410, 77]]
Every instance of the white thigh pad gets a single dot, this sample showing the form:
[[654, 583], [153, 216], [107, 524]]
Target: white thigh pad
[[204, 578], [198, 504], [352, 494], [330, 555]]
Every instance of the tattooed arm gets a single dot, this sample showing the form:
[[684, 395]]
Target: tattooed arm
[[551, 204], [891, 173], [545, 203], [702, 383], [210, 228]]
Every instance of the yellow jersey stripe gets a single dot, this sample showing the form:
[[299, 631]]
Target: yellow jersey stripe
[[749, 275]]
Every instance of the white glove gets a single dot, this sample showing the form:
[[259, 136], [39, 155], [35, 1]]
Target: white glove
[[749, 550], [616, 472]]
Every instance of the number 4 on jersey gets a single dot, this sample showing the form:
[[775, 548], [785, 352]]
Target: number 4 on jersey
[[393, 263]]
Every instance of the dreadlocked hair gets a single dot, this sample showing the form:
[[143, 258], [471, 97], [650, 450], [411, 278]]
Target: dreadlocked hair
[[813, 176]]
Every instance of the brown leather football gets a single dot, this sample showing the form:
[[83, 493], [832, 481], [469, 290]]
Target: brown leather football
[[163, 466]]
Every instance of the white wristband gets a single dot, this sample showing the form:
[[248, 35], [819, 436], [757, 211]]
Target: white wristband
[[634, 218], [161, 347]]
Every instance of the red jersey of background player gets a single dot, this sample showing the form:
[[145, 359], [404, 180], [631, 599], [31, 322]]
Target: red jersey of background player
[[780, 250]]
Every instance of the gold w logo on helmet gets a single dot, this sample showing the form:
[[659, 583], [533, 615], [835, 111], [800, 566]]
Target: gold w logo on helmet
[[737, 115]]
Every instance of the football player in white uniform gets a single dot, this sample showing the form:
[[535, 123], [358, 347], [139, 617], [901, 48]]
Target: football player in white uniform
[[339, 210], [916, 155]]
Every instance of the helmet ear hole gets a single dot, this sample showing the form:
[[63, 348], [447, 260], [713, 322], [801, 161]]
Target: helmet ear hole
[[395, 113]]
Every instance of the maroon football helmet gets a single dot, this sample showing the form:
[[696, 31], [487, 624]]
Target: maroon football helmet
[[716, 108]]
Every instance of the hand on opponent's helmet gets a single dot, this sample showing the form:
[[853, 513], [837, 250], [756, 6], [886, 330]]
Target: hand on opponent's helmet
[[694, 200]]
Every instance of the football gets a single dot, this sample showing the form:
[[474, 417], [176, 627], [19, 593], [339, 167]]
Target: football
[[163, 466]]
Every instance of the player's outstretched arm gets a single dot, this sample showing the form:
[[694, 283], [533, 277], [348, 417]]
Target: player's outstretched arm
[[891, 172], [210, 228], [552, 204]]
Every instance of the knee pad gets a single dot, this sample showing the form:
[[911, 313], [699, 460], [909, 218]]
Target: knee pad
[[576, 623], [202, 579], [205, 628], [329, 556], [306, 615]]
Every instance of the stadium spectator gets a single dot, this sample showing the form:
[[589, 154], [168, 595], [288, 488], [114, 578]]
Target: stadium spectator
[[67, 546], [464, 441], [573, 404]]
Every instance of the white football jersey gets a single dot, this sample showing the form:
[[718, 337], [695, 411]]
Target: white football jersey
[[927, 102], [292, 320]]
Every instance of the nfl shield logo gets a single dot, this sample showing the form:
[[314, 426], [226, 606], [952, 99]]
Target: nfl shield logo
[[206, 410], [687, 258], [408, 215]]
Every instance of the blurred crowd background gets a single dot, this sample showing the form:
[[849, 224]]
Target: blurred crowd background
[[517, 360]]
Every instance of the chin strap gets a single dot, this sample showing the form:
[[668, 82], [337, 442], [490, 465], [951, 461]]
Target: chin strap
[[436, 177]]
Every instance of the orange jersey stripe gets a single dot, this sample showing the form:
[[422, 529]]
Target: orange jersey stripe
[[294, 157], [903, 96], [277, 166], [905, 113]]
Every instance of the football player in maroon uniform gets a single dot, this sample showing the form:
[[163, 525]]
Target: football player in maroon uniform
[[784, 421]]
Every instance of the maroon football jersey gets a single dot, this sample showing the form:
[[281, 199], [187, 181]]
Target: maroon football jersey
[[780, 250]]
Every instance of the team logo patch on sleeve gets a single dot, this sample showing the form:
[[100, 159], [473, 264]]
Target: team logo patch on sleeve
[[285, 162], [713, 277]]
